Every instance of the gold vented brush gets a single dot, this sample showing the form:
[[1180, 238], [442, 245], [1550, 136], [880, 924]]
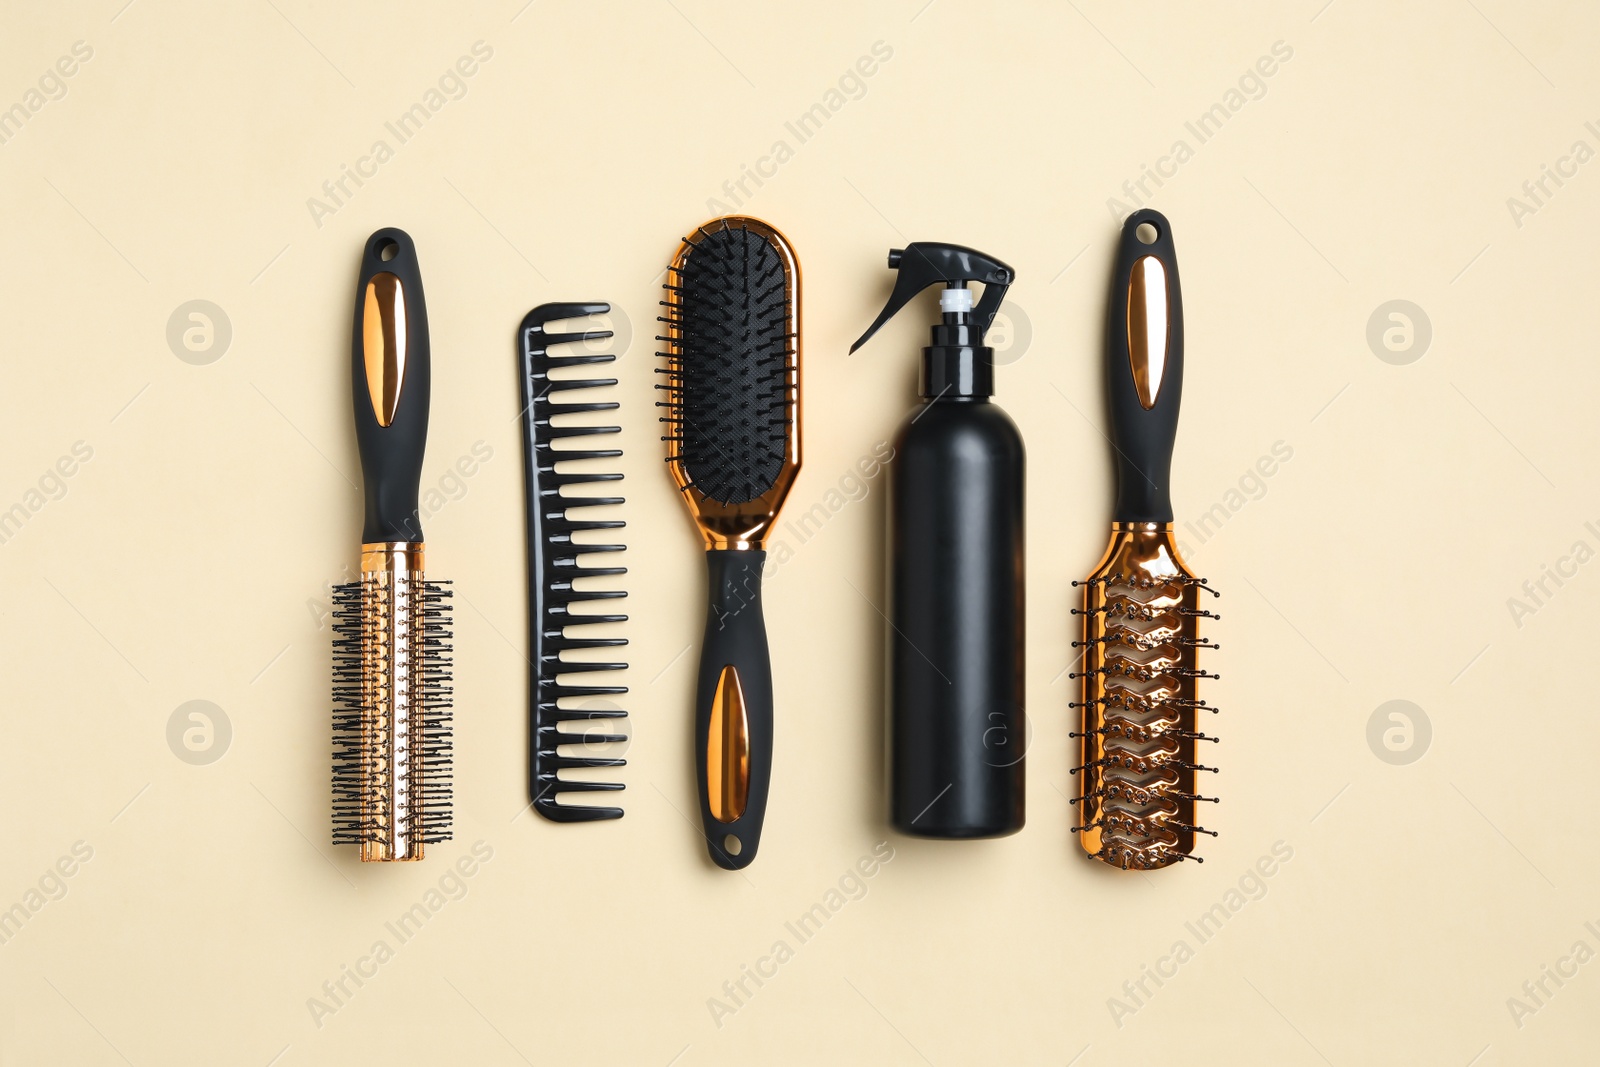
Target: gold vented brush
[[1141, 611], [391, 672]]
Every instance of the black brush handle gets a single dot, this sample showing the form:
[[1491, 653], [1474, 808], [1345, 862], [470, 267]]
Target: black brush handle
[[736, 636], [1143, 438], [391, 456]]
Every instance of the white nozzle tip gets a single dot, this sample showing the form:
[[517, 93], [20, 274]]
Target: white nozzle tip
[[955, 300]]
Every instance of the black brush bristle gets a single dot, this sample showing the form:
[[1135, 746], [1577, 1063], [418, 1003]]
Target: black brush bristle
[[728, 365]]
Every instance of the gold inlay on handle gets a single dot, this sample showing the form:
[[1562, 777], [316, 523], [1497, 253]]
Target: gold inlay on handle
[[1148, 324], [383, 334], [728, 749]]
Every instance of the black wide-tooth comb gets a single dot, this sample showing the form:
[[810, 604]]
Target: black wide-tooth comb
[[553, 568]]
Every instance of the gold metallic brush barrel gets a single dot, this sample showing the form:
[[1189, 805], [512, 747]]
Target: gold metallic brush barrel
[[391, 579]]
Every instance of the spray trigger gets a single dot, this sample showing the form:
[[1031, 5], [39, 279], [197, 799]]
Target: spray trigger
[[925, 263]]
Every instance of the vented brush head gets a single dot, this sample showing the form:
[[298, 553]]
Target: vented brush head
[[732, 375], [391, 720], [1140, 739]]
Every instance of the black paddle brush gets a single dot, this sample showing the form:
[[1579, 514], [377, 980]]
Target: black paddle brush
[[732, 418]]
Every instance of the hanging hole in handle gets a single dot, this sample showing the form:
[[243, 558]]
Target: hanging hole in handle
[[732, 845], [1146, 233], [388, 250]]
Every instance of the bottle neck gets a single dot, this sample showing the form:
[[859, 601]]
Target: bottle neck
[[957, 365]]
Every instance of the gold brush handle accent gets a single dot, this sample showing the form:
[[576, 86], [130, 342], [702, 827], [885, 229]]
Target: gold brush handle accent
[[728, 749], [383, 341]]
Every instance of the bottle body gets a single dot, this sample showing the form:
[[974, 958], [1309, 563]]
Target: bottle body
[[957, 729]]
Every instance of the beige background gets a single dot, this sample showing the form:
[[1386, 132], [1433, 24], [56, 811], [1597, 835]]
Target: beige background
[[189, 558]]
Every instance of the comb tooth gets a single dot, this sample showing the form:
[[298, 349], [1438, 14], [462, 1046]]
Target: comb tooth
[[596, 739], [573, 785], [559, 692], [551, 339], [581, 431], [560, 311], [579, 478], [579, 548], [564, 407], [575, 667], [573, 455], [593, 642], [591, 501], [547, 806], [557, 362], [594, 572], [579, 714], [561, 478], [566, 762], [574, 596], [578, 383], [584, 620]]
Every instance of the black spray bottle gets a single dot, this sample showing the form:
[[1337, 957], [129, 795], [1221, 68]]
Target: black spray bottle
[[957, 733]]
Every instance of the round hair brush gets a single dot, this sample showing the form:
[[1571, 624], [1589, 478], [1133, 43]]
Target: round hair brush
[[732, 385], [391, 657], [1141, 611]]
